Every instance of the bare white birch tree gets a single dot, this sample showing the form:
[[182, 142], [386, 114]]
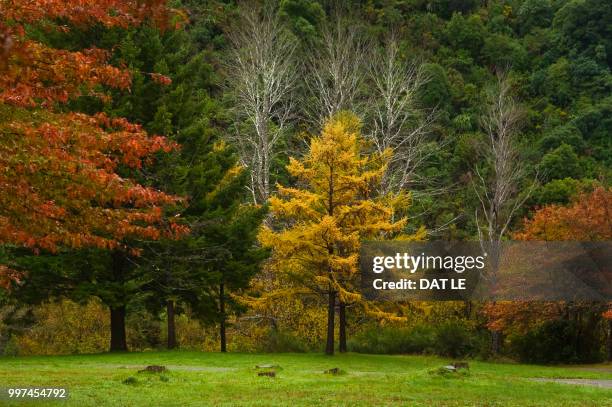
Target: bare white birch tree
[[261, 73], [499, 192], [398, 123], [336, 71]]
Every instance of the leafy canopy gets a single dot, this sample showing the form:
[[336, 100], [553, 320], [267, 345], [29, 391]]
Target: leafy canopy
[[332, 208], [62, 175]]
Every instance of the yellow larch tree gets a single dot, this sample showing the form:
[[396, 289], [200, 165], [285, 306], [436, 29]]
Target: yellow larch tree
[[319, 223]]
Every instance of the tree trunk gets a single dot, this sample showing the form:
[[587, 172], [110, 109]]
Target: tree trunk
[[171, 325], [468, 309], [118, 341], [117, 319], [495, 342], [331, 311], [222, 315], [342, 328], [609, 341]]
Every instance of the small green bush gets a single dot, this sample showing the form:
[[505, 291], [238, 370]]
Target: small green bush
[[558, 341], [281, 341], [393, 340], [452, 339], [456, 339]]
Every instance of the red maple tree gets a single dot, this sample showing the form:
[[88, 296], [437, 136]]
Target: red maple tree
[[59, 180]]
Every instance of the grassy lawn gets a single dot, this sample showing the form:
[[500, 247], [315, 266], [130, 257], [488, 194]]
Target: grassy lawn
[[196, 379]]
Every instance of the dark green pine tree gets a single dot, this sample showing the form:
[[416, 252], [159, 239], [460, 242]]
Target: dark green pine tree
[[220, 255], [227, 237]]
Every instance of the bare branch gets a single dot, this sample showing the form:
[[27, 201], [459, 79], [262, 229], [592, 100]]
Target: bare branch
[[398, 123], [262, 74], [336, 71], [499, 194]]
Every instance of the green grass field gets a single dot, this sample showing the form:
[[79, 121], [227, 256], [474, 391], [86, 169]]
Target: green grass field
[[196, 379]]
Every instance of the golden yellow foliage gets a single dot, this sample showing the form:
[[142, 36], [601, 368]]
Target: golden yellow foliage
[[66, 327], [333, 208], [317, 225]]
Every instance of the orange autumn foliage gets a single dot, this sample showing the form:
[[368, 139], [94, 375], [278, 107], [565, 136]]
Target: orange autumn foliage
[[519, 316], [587, 218], [33, 74], [59, 180]]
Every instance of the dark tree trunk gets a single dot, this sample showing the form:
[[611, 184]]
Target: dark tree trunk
[[117, 317], [342, 328], [222, 315], [495, 342], [118, 342], [609, 341], [171, 325], [468, 309], [494, 251], [331, 301], [331, 311]]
